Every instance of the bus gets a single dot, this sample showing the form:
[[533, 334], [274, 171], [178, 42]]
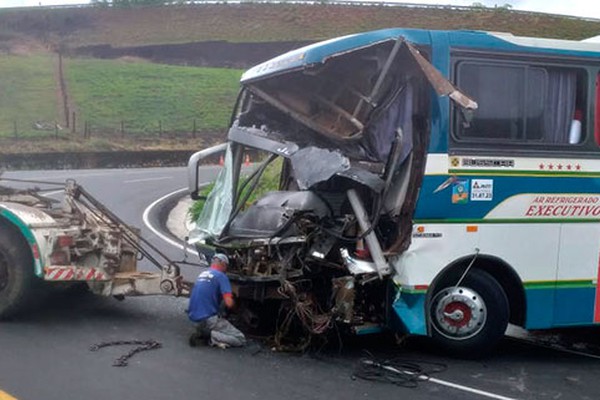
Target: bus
[[435, 183]]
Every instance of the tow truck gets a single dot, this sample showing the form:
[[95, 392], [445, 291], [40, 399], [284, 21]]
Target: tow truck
[[76, 241]]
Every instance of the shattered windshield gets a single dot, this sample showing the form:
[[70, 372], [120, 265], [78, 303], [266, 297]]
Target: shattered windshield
[[218, 205]]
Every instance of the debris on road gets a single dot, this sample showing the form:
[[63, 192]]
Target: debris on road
[[398, 371], [123, 361]]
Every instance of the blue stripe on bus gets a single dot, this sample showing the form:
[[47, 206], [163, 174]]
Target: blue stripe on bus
[[560, 307], [540, 309], [546, 308]]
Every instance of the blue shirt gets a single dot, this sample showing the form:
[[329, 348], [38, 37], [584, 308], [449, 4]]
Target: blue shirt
[[207, 293]]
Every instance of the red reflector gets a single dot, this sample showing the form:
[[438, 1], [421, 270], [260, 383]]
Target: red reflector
[[59, 258], [35, 251], [64, 241]]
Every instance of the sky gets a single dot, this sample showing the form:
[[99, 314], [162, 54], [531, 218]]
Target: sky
[[581, 8]]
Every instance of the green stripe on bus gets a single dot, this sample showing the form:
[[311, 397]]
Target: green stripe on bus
[[414, 291], [566, 284]]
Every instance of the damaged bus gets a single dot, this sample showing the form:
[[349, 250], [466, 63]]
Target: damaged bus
[[407, 202]]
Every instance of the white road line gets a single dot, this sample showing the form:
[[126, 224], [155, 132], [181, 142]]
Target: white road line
[[469, 389], [440, 382], [149, 170], [69, 176], [160, 178], [146, 219], [444, 383]]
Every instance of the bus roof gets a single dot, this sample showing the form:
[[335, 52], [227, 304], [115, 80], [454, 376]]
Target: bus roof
[[318, 53]]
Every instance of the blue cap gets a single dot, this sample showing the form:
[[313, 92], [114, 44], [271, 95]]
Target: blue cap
[[221, 257]]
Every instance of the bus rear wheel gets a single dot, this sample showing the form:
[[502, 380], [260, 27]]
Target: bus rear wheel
[[16, 272], [470, 319]]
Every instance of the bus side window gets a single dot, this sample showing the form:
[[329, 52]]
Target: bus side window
[[523, 103], [597, 116]]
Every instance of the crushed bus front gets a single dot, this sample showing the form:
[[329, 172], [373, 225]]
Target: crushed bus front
[[345, 124]]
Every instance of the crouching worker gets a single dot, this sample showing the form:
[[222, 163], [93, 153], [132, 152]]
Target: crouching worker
[[210, 288]]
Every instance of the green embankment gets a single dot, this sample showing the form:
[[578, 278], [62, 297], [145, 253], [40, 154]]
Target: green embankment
[[28, 94], [149, 98], [255, 22]]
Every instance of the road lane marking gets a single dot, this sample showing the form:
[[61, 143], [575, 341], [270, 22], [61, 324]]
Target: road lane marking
[[156, 231], [149, 170], [160, 178], [69, 176], [442, 382], [468, 389], [6, 396]]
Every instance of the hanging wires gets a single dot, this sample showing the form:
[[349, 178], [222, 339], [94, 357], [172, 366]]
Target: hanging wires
[[303, 309]]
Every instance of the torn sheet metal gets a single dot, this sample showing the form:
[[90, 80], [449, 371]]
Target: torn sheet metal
[[364, 177], [339, 97], [355, 266], [441, 85], [313, 164], [261, 139]]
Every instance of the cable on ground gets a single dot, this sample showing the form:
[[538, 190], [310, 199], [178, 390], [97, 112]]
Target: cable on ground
[[398, 371]]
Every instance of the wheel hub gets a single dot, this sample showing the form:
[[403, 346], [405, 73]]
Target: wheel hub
[[3, 272], [458, 312]]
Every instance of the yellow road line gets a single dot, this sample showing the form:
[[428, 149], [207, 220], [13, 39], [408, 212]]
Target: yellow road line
[[6, 396]]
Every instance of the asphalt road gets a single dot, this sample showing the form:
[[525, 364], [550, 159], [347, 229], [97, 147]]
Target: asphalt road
[[45, 354]]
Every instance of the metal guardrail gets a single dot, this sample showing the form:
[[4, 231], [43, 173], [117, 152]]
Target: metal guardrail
[[329, 2]]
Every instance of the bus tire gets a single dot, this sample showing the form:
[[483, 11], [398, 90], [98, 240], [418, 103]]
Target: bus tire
[[469, 320], [17, 278]]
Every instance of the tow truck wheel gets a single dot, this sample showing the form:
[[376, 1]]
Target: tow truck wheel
[[470, 319], [16, 272]]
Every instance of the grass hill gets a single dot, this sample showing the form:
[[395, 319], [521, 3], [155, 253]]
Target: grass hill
[[27, 95], [250, 22], [125, 99], [148, 98]]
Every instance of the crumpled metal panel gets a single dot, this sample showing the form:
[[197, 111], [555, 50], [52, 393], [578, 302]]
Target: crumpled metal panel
[[313, 164], [364, 177], [270, 215], [338, 97], [441, 85]]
